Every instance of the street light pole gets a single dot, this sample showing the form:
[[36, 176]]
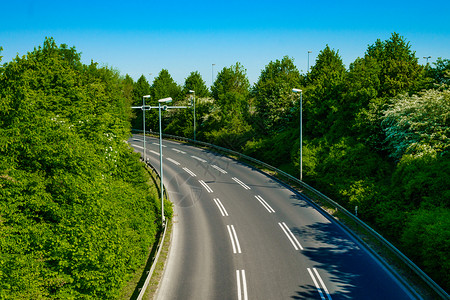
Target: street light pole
[[165, 100], [143, 108], [143, 112], [301, 133], [427, 57], [307, 71], [212, 74], [193, 92]]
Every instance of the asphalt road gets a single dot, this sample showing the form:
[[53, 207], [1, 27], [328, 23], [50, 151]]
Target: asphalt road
[[239, 234]]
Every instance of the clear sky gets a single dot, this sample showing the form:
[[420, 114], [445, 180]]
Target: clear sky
[[143, 37]]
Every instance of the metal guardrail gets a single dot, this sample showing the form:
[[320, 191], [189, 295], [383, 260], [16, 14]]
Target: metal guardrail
[[439, 291], [155, 258]]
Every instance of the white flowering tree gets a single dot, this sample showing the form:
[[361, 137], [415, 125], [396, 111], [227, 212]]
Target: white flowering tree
[[418, 124]]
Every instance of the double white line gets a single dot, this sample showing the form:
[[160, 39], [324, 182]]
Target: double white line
[[222, 209], [290, 236], [234, 239], [198, 158], [219, 169], [319, 288], [264, 203], [173, 161], [241, 286], [208, 189], [241, 183], [190, 172], [179, 151]]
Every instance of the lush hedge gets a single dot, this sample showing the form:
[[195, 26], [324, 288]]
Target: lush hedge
[[76, 218]]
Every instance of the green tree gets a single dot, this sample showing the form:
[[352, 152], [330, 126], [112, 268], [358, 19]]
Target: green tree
[[196, 83], [142, 88], [426, 240], [232, 79], [227, 121], [74, 224], [399, 70], [418, 124], [274, 100], [441, 72], [128, 89], [182, 120], [164, 86], [323, 101]]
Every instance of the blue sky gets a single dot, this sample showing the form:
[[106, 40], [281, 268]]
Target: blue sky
[[143, 37]]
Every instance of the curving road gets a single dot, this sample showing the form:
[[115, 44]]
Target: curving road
[[239, 234]]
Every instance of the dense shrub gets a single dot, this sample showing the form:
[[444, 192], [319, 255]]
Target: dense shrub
[[76, 218]]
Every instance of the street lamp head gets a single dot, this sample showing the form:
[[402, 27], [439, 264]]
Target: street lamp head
[[146, 96], [165, 100], [297, 90]]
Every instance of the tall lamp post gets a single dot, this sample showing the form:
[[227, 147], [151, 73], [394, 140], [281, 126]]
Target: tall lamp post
[[307, 71], [427, 57], [143, 108], [193, 92], [212, 74], [165, 100], [301, 137]]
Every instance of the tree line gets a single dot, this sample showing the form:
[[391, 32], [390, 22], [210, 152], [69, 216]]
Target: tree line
[[375, 134], [77, 215]]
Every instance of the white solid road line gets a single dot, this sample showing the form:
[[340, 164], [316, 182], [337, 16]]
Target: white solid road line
[[173, 161], [319, 289], [222, 209], [290, 236], [234, 239], [190, 172], [265, 204], [242, 292], [179, 151], [198, 158], [219, 169], [208, 189], [241, 183]]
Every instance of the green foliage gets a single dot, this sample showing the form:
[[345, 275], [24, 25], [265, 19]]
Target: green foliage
[[233, 135], [275, 150], [361, 86], [164, 86], [227, 120], [323, 96], [196, 83], [422, 181], [233, 79], [73, 222], [274, 100], [399, 69], [418, 124], [426, 239], [441, 73], [142, 88]]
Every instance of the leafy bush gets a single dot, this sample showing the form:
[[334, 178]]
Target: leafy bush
[[426, 239], [73, 220]]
